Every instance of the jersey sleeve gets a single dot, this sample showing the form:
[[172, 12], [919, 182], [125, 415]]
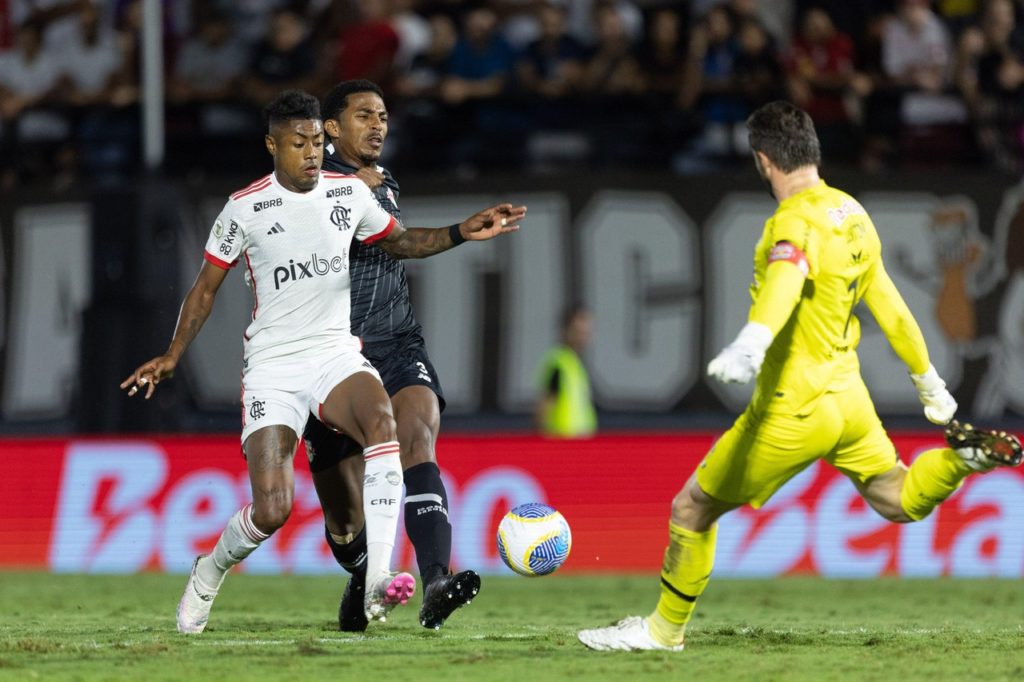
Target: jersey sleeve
[[793, 239], [894, 317], [226, 241], [375, 223], [778, 296]]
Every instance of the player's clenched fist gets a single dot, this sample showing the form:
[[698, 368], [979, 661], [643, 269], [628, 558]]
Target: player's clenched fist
[[740, 361], [149, 374]]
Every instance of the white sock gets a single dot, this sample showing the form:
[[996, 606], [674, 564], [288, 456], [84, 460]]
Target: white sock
[[239, 539], [382, 495]]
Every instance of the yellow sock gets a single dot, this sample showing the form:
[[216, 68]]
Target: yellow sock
[[933, 477], [684, 575]]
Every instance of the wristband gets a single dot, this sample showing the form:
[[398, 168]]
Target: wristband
[[455, 234]]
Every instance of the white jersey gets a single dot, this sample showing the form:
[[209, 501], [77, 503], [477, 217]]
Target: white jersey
[[295, 248]]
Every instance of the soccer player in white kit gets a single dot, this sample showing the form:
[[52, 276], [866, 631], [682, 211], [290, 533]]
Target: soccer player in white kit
[[292, 231]]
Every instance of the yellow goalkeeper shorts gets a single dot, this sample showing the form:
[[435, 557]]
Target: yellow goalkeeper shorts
[[760, 452]]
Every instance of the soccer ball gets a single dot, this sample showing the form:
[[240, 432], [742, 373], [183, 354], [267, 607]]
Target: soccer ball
[[534, 539]]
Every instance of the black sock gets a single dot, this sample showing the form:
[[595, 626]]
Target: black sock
[[426, 520], [350, 556]]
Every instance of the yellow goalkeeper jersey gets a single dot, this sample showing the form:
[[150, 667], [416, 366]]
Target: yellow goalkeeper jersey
[[829, 235]]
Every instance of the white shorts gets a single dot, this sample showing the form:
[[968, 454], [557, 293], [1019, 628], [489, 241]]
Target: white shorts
[[284, 391]]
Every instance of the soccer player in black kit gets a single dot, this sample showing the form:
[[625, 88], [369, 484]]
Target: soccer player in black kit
[[356, 121]]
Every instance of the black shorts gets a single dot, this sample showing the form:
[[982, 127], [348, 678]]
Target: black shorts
[[401, 364]]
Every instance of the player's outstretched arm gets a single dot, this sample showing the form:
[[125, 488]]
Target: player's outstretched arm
[[896, 321], [420, 242], [904, 335], [740, 361], [194, 311]]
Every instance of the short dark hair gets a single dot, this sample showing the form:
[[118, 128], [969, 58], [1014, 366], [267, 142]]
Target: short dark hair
[[785, 134], [337, 99], [291, 105]]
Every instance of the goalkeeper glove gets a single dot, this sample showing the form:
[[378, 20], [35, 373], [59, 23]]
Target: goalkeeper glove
[[740, 361], [939, 405]]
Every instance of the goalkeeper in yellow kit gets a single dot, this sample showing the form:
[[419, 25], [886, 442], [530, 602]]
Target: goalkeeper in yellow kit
[[819, 256]]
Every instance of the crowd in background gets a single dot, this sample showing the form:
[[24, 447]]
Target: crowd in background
[[523, 84]]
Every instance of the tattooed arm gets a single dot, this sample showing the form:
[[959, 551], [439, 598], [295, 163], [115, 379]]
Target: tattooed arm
[[194, 311], [420, 242]]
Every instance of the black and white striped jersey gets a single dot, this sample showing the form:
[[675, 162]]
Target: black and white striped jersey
[[381, 309]]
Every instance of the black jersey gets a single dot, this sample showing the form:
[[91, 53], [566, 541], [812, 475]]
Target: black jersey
[[381, 309]]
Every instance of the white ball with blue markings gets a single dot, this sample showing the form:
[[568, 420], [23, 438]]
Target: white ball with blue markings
[[534, 539]]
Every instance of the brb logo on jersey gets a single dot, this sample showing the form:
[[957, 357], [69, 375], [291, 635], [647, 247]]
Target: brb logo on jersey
[[309, 269], [260, 205]]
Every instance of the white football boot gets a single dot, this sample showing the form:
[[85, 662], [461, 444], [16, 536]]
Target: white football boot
[[629, 634], [385, 593], [194, 607]]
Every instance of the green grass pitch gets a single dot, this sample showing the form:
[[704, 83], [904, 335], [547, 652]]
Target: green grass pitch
[[62, 627]]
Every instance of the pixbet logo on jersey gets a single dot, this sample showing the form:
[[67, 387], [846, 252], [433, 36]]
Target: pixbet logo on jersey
[[307, 269]]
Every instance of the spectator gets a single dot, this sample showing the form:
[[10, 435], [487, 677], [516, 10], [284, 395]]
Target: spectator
[[210, 63], [552, 65], [582, 27], [59, 18], [28, 73], [710, 65], [481, 61], [759, 74], [991, 55], [910, 109], [93, 61], [283, 60], [611, 68], [662, 55], [565, 408], [427, 123], [550, 71], [413, 31], [94, 67], [518, 21], [774, 17], [821, 75], [855, 19], [712, 88], [474, 88], [916, 48], [429, 67], [990, 75], [106, 140], [128, 24], [368, 46], [204, 85], [29, 77]]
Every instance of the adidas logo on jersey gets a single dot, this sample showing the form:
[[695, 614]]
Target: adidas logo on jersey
[[307, 270], [276, 229]]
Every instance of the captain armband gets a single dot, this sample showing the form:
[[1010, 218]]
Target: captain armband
[[785, 251]]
